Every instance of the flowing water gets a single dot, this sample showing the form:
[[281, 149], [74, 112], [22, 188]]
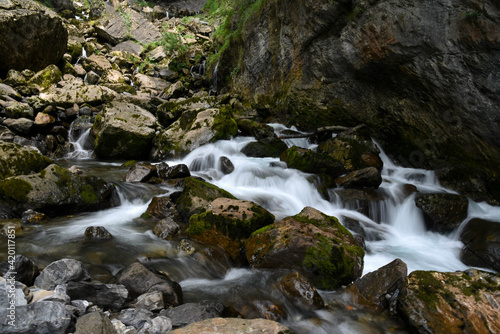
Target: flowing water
[[393, 227]]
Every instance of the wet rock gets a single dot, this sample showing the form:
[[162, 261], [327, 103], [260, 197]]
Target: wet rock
[[95, 233], [139, 280], [173, 172], [16, 159], [152, 301], [94, 323], [226, 222], [443, 212], [25, 270], [300, 291], [41, 317], [55, 191], [189, 313], [140, 172], [226, 165], [434, 302], [197, 195], [107, 296], [481, 240], [124, 131], [34, 36], [309, 161], [362, 200], [234, 325], [314, 244], [380, 288], [266, 147], [254, 129], [61, 272], [368, 177], [166, 229], [160, 208]]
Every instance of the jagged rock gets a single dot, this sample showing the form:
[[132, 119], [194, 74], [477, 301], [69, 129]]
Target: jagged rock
[[33, 36], [197, 195], [189, 313], [141, 172], [160, 208], [123, 130], [481, 240], [312, 243], [159, 324], [152, 301], [41, 317], [173, 172], [12, 292], [434, 302], [139, 280], [111, 296], [97, 64], [16, 159], [443, 212], [25, 270], [135, 317], [192, 130], [369, 177], [54, 191], [226, 222], [61, 272], [94, 233], [380, 288], [267, 147], [94, 323], [234, 325], [166, 228], [300, 291]]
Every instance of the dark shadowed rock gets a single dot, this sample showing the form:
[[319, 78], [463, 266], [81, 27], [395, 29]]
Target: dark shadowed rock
[[481, 240], [226, 165], [300, 291], [443, 212], [108, 296], [25, 270], [174, 172], [189, 313], [61, 272], [160, 208], [266, 147], [31, 217], [95, 233], [368, 177]]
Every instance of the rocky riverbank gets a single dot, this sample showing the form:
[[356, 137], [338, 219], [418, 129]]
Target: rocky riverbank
[[136, 77]]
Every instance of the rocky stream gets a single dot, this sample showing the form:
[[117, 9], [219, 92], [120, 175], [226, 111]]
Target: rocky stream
[[144, 188]]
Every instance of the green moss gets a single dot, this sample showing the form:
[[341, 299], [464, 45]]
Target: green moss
[[428, 288], [88, 194], [264, 229], [16, 189]]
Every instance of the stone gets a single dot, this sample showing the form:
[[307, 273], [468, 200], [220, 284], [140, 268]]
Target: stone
[[16, 159], [107, 296], [434, 302], [443, 212], [189, 313], [369, 177], [31, 216], [34, 37], [314, 244], [226, 166], [135, 317], [95, 233], [174, 172], [44, 120], [9, 91], [94, 323], [46, 77], [166, 229], [309, 161], [74, 92], [23, 126], [300, 292], [152, 301], [150, 84], [481, 240], [159, 324], [19, 110], [234, 325], [61, 272], [267, 147], [97, 64], [160, 208], [141, 172], [25, 270], [139, 280]]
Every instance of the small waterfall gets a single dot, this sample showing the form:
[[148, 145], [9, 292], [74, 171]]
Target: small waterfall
[[198, 70], [214, 87], [83, 56], [167, 15], [79, 138]]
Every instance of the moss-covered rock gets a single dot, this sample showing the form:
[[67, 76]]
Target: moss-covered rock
[[267, 147], [314, 244], [459, 302], [197, 195], [54, 191], [16, 159], [255, 129], [310, 161], [46, 77]]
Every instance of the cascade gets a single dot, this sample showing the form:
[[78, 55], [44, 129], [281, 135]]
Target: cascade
[[79, 138]]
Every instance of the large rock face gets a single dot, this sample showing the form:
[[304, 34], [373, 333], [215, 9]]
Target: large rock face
[[422, 75], [32, 36]]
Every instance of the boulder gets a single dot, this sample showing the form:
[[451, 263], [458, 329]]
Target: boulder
[[191, 130], [41, 317], [310, 161], [25, 270], [33, 36], [16, 160], [380, 289], [369, 177], [97, 64], [459, 302], [19, 110], [312, 243], [124, 131], [234, 325], [481, 240], [94, 323], [46, 77], [139, 280], [74, 92], [159, 324], [107, 296], [9, 91], [23, 126], [443, 212], [189, 313], [166, 228], [300, 292], [150, 84], [255, 129], [227, 222], [61, 272], [30, 217], [172, 172], [140, 172], [96, 233], [225, 165], [54, 191], [197, 195], [266, 147], [160, 208]]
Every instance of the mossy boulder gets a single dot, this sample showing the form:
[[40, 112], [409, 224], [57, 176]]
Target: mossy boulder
[[266, 147], [193, 129], [123, 131], [54, 191], [443, 212], [47, 77], [16, 160], [227, 222], [312, 243], [310, 161], [481, 240], [255, 129], [197, 195], [459, 302]]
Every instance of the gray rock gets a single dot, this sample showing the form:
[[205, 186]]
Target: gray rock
[[19, 110], [94, 323], [61, 272], [481, 240], [22, 126], [25, 270], [95, 233], [141, 172], [111, 296], [443, 212], [266, 147], [226, 165], [135, 317], [9, 91], [152, 301], [189, 313], [158, 325], [166, 228]]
